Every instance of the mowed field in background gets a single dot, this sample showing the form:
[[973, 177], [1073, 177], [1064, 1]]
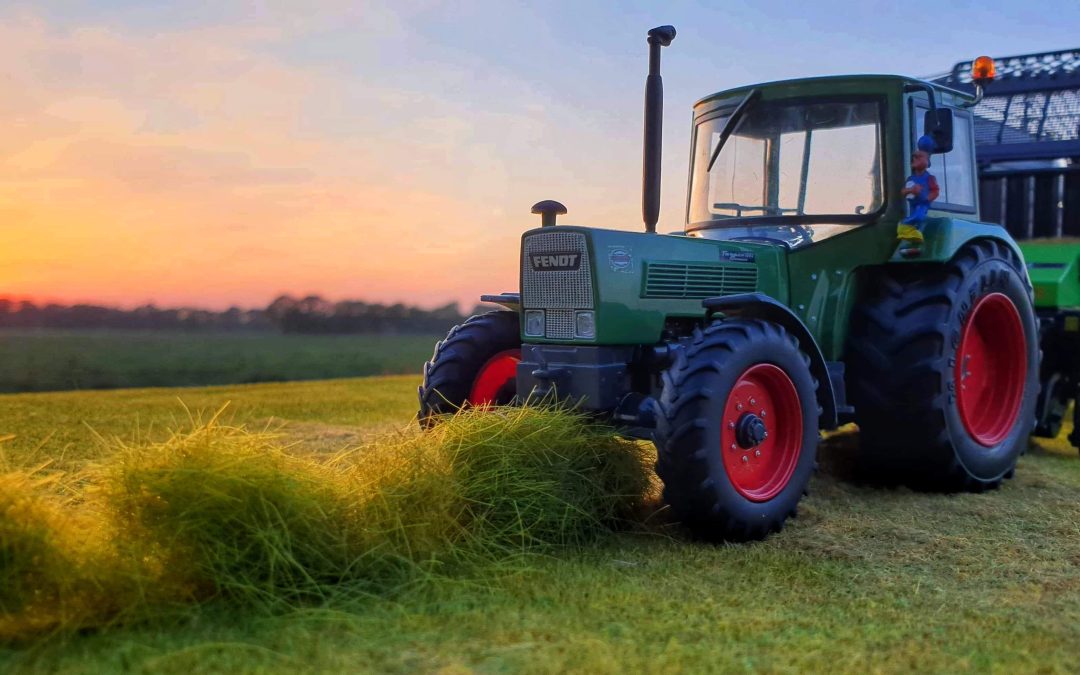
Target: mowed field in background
[[865, 579], [51, 360]]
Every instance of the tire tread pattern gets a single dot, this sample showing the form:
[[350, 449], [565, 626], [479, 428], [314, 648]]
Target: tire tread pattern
[[682, 439], [899, 374], [458, 357]]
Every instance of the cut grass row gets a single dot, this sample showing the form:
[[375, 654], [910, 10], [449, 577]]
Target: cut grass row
[[223, 514], [53, 360], [865, 579]]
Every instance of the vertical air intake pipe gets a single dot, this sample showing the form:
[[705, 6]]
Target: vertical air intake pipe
[[654, 123]]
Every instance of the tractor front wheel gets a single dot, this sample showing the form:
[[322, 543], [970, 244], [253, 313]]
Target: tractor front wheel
[[475, 365], [738, 433]]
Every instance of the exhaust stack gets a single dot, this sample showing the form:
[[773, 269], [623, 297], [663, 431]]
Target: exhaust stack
[[654, 122]]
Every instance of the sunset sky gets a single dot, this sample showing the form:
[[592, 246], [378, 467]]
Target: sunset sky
[[223, 153]]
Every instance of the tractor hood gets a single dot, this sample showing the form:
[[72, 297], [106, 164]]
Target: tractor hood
[[634, 284]]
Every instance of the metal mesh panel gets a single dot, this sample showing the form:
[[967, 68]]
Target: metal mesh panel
[[569, 289], [560, 324], [1062, 116], [1028, 118]]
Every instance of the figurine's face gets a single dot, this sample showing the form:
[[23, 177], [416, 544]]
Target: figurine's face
[[919, 161]]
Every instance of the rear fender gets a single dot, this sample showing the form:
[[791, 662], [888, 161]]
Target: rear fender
[[944, 237]]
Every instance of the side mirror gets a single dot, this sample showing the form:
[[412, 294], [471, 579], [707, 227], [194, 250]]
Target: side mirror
[[938, 124]]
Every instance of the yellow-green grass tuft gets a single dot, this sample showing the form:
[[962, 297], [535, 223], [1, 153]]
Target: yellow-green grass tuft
[[536, 479], [33, 562], [226, 513], [489, 485], [56, 568], [222, 512]]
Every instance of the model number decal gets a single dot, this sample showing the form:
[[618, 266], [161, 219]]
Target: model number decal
[[738, 256], [555, 262]]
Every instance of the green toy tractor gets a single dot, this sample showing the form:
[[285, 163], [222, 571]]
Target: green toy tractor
[[784, 308]]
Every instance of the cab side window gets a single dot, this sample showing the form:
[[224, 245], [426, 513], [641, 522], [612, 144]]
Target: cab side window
[[952, 169]]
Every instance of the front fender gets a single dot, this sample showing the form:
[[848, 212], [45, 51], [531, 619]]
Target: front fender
[[761, 306]]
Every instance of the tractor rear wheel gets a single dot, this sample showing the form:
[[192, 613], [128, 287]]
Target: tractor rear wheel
[[475, 365], [943, 370], [738, 431]]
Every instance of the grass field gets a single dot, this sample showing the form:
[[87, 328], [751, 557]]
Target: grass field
[[865, 579], [38, 360]]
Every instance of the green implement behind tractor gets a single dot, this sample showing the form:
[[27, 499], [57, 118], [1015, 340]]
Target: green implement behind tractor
[[784, 308], [1054, 268]]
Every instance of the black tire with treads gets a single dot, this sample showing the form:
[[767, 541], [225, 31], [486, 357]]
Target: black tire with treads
[[688, 437], [901, 359], [458, 359]]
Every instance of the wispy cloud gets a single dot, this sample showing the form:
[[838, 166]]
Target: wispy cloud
[[191, 165]]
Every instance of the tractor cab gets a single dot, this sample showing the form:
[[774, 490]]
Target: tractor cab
[[800, 161]]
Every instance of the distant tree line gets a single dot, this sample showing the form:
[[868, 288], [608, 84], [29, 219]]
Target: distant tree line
[[25, 314], [286, 314], [313, 314]]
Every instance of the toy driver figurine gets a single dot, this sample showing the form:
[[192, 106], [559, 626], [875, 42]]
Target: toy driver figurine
[[920, 189]]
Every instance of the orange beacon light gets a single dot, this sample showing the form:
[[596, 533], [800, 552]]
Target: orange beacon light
[[982, 69]]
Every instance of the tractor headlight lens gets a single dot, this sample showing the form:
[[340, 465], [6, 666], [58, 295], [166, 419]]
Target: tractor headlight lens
[[585, 325], [534, 322]]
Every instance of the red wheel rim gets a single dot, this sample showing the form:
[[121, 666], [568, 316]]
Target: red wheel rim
[[497, 379], [760, 465], [991, 369]]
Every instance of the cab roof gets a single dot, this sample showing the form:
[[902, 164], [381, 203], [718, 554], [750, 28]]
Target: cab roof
[[823, 83]]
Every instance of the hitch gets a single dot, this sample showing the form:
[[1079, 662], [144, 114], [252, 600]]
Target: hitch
[[549, 380]]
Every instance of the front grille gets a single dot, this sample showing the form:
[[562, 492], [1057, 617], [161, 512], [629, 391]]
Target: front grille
[[560, 292], [697, 280], [560, 324], [570, 289]]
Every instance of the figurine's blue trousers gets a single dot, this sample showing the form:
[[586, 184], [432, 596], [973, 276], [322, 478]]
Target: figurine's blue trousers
[[918, 214]]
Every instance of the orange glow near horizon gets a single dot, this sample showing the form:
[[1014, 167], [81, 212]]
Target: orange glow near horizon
[[190, 168], [117, 248]]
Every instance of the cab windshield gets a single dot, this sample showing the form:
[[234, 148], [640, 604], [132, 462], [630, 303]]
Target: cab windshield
[[788, 161]]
